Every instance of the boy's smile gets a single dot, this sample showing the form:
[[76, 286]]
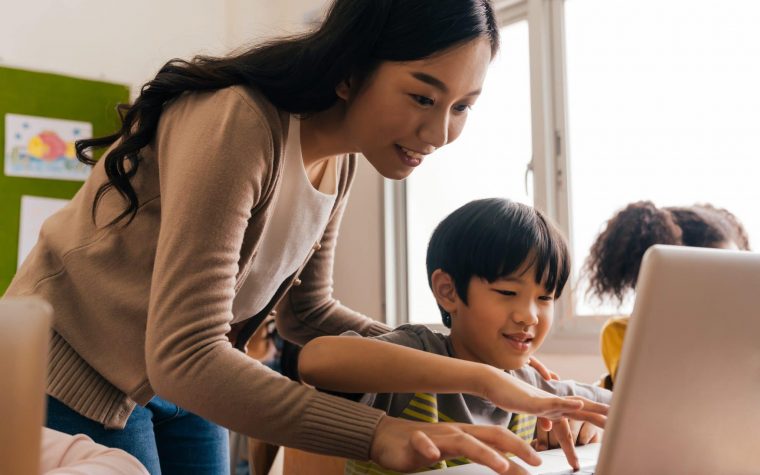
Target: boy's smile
[[503, 322], [521, 341]]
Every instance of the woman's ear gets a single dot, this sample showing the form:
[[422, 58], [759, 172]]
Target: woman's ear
[[444, 291]]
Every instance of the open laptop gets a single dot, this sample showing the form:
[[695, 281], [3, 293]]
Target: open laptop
[[687, 395], [24, 336]]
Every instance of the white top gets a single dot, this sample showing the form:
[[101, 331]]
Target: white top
[[299, 218]]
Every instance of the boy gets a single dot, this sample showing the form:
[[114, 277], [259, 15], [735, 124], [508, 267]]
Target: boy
[[495, 268]]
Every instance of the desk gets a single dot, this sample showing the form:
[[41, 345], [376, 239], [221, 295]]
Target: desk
[[553, 461]]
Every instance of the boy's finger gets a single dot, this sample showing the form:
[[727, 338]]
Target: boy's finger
[[541, 368], [541, 440], [544, 424], [565, 438]]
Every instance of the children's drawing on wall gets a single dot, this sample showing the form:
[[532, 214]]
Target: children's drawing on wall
[[41, 147]]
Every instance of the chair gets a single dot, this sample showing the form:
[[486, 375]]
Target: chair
[[24, 337]]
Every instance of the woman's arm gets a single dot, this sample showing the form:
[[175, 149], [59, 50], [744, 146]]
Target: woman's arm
[[215, 155]]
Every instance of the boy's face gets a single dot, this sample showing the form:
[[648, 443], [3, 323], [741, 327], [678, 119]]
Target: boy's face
[[504, 322]]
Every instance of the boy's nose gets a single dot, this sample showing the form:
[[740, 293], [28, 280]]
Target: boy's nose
[[527, 316]]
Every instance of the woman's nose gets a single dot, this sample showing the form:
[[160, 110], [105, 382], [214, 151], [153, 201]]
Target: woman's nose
[[435, 131]]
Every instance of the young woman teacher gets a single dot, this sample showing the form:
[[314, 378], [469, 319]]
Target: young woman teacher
[[220, 197]]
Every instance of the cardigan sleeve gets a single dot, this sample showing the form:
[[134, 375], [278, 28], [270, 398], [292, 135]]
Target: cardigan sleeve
[[215, 152]]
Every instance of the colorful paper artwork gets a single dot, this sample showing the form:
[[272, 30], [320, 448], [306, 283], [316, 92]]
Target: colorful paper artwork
[[41, 147]]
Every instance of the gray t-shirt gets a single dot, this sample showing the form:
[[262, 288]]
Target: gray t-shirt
[[463, 407]]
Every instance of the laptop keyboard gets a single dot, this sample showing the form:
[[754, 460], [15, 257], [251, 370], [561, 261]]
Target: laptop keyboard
[[589, 470]]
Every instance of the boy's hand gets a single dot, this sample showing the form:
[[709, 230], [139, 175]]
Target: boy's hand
[[403, 445], [545, 372], [583, 433], [566, 433], [514, 395]]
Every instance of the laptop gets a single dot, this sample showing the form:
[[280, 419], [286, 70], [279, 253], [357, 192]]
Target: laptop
[[24, 336], [687, 395]]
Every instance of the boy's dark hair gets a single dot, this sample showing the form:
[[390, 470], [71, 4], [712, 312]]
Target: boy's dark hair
[[493, 238], [615, 259]]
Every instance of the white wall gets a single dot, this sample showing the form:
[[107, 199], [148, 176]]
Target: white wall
[[127, 42], [123, 42]]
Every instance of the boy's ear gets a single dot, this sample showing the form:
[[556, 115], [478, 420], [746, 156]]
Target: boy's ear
[[444, 290], [343, 89]]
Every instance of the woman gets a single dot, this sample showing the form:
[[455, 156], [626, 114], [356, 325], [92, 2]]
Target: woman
[[220, 197]]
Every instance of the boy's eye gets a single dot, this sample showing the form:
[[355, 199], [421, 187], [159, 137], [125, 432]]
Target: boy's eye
[[546, 298], [422, 100], [505, 292]]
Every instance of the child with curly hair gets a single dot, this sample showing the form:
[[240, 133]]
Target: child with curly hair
[[615, 258]]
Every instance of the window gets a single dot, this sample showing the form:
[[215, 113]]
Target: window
[[662, 106]]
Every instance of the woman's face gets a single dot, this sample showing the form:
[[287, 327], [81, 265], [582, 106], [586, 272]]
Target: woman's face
[[406, 110]]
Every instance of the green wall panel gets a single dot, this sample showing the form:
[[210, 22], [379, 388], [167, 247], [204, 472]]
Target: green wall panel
[[54, 96]]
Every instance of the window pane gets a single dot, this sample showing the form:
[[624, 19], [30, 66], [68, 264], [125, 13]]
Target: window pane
[[662, 104], [487, 160]]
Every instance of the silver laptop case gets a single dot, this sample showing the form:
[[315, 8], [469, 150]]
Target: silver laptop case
[[687, 397]]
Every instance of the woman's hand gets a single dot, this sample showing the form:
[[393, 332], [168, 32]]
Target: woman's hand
[[403, 445]]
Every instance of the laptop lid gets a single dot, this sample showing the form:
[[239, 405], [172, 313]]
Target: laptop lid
[[687, 395], [24, 336]]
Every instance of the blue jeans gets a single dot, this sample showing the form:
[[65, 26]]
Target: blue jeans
[[164, 437]]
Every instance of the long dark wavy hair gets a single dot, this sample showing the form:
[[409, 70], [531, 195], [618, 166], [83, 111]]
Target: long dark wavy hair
[[297, 74], [614, 263]]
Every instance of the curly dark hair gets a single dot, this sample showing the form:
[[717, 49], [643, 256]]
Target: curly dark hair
[[614, 262]]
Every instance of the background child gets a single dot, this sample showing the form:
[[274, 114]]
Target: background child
[[65, 454], [615, 259], [495, 268]]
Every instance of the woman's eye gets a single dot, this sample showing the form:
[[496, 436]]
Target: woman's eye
[[422, 100], [462, 107]]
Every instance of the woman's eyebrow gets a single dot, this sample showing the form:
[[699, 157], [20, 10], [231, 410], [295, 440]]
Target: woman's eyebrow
[[437, 83]]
